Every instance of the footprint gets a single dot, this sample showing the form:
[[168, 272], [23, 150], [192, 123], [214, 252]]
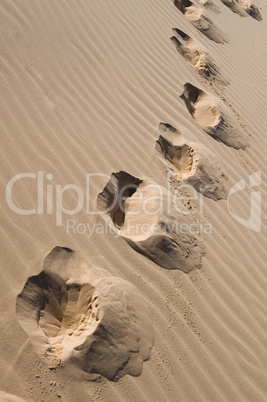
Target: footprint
[[250, 8], [192, 51], [178, 155], [215, 118], [210, 5], [80, 315], [235, 7], [194, 13], [151, 223], [191, 162]]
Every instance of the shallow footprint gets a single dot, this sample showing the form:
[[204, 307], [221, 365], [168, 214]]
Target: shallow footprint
[[191, 162], [215, 118], [250, 8], [235, 7], [81, 316], [151, 223], [192, 51], [210, 5], [195, 14]]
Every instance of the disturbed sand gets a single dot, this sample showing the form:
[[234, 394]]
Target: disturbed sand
[[158, 95]]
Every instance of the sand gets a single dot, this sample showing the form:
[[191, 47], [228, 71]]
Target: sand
[[91, 89]]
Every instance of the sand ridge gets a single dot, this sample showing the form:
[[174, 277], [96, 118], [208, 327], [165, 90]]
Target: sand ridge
[[84, 87]]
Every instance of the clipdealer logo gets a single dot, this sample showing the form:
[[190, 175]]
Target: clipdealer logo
[[50, 198]]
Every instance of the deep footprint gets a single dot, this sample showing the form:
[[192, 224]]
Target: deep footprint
[[215, 118], [79, 315], [192, 52], [194, 13], [149, 225], [191, 162]]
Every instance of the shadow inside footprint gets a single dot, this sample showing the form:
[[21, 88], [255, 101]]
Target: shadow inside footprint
[[121, 186]]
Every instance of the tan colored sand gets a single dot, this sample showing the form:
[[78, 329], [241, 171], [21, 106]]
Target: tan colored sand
[[84, 86]]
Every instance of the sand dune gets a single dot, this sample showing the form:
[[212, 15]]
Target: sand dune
[[84, 86]]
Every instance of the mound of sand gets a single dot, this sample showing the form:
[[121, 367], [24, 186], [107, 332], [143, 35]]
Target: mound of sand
[[77, 314], [191, 162], [155, 222], [215, 118]]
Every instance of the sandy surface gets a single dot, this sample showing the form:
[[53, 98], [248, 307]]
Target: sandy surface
[[84, 88]]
